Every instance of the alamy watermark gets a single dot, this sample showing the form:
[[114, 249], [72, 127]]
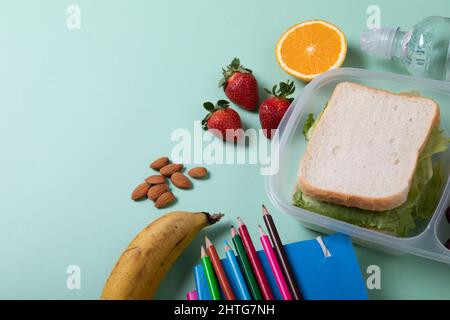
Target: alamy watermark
[[73, 281], [373, 281], [204, 147], [374, 19], [73, 21]]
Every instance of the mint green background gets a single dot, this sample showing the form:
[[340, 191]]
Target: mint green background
[[82, 113]]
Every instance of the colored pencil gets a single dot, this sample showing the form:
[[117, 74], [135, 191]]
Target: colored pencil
[[192, 295], [220, 273], [274, 265], [243, 293], [281, 254], [246, 266], [200, 283], [256, 264], [209, 274]]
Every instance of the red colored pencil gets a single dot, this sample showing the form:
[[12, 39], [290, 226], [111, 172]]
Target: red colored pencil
[[220, 273], [275, 266], [281, 254], [254, 260]]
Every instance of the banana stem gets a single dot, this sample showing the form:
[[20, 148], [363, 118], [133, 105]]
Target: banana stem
[[213, 218]]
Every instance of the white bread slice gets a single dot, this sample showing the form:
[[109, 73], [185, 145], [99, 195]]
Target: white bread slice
[[364, 150]]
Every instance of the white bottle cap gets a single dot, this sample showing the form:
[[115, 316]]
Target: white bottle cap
[[379, 42]]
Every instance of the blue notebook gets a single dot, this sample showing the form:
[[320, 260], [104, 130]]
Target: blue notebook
[[321, 276]]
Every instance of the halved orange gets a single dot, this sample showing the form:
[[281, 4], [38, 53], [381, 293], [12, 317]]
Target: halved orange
[[310, 48]]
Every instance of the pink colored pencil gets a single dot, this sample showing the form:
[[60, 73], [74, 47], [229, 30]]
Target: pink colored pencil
[[192, 295], [254, 260], [275, 266]]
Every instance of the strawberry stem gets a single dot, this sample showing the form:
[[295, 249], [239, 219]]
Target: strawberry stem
[[282, 90]]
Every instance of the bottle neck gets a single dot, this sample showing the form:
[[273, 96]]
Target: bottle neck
[[397, 45]]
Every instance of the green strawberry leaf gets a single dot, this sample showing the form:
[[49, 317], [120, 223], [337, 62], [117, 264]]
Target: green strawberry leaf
[[222, 82], [222, 104], [235, 63], [208, 106], [205, 121], [283, 90]]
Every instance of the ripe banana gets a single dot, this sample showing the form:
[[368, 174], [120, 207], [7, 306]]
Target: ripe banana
[[144, 264]]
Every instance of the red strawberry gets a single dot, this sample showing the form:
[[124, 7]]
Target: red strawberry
[[222, 121], [272, 110], [240, 85]]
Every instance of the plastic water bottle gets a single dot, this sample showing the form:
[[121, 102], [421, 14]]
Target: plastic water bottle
[[424, 49]]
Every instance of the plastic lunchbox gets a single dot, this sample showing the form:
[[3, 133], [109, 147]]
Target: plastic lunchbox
[[428, 239]]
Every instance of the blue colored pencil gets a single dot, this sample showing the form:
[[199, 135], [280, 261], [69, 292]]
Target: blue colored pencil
[[200, 283], [238, 277]]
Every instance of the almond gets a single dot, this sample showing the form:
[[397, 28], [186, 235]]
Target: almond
[[157, 190], [140, 191], [159, 163], [155, 179], [198, 172], [180, 180], [170, 169], [164, 200]]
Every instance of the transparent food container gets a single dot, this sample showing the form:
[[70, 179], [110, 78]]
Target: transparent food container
[[428, 239]]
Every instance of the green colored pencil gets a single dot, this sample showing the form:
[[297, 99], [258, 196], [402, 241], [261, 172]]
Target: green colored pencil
[[246, 266], [210, 276]]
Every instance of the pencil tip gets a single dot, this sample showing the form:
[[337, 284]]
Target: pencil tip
[[208, 242], [233, 232], [265, 211], [227, 245], [240, 221], [261, 232], [203, 252]]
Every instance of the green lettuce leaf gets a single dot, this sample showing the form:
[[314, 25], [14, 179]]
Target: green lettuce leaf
[[308, 124], [438, 142], [421, 203], [311, 124]]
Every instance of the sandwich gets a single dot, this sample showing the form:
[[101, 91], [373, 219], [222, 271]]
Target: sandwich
[[368, 160]]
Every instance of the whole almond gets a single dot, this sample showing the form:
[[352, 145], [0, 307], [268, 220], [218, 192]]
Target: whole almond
[[180, 180], [140, 191], [164, 200], [155, 179], [170, 169], [198, 172], [159, 163], [157, 190]]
